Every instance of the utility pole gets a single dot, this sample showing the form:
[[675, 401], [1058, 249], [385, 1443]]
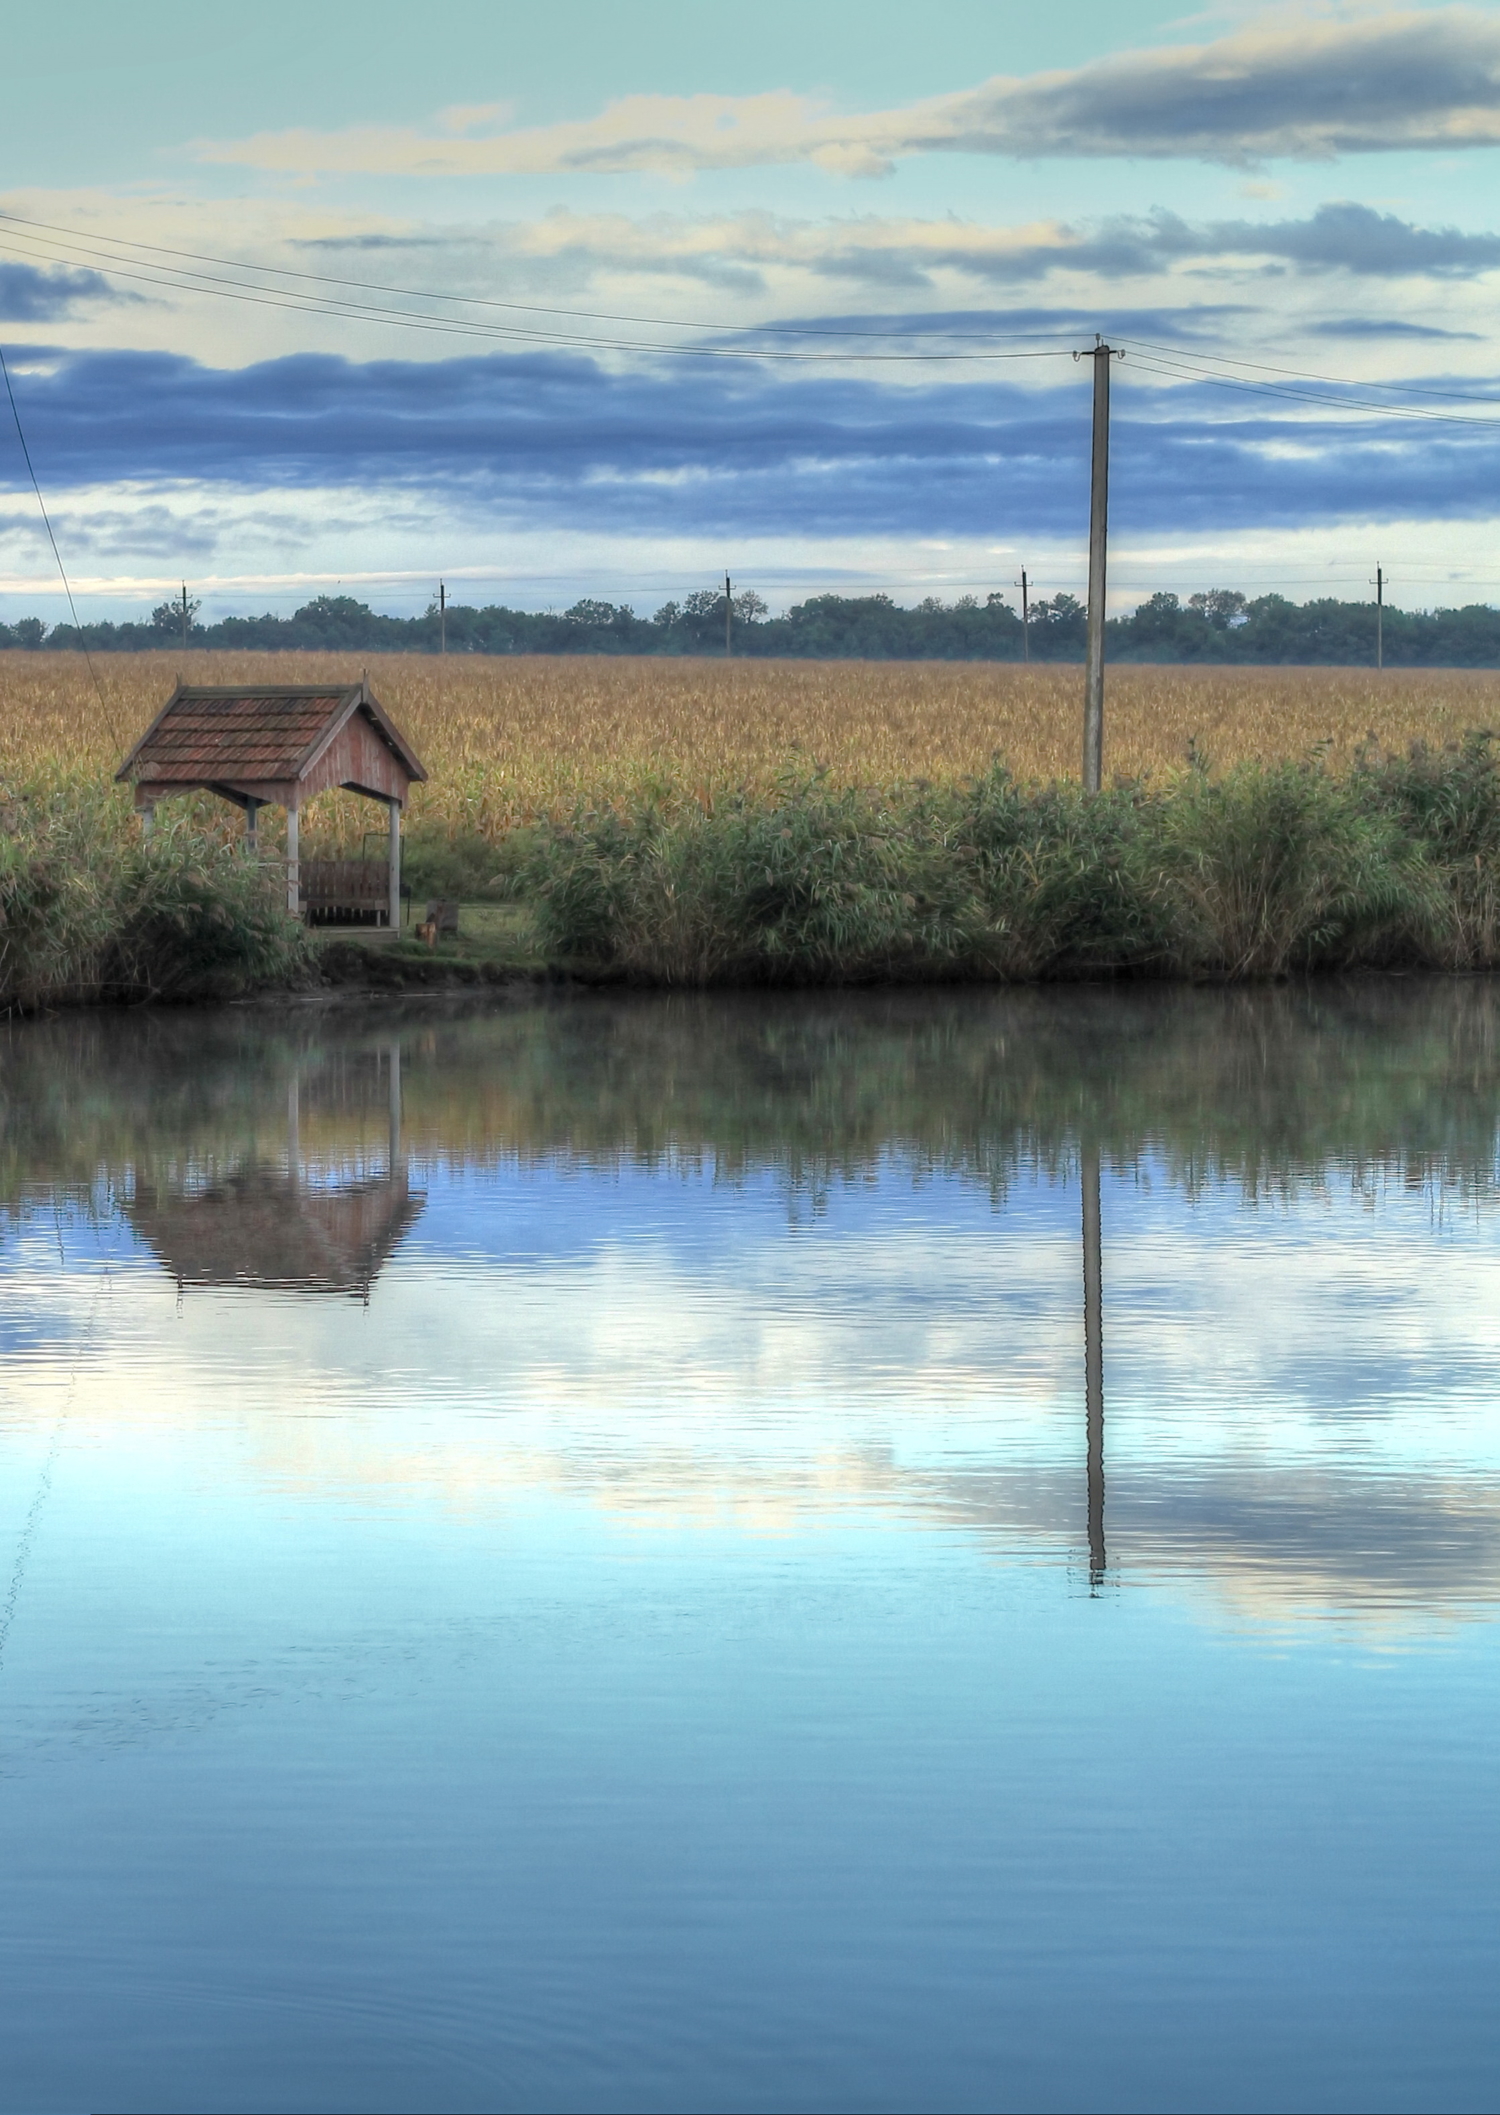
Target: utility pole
[[184, 614], [1093, 696], [1380, 616], [1025, 619], [442, 618], [728, 616]]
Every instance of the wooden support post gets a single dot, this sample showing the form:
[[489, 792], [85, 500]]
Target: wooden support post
[[1093, 697], [393, 914], [148, 817], [252, 830], [293, 866], [1093, 1356]]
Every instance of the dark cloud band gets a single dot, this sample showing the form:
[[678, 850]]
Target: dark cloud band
[[554, 440]]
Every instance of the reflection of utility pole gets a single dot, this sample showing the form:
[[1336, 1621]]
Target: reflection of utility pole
[[293, 1128], [393, 1071], [1093, 1356]]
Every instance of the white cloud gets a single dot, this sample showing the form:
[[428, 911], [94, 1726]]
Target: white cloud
[[1278, 88]]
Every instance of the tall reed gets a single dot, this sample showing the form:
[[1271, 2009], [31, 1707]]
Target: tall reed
[[90, 908], [1269, 869]]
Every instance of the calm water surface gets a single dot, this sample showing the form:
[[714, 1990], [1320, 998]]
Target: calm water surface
[[605, 1554]]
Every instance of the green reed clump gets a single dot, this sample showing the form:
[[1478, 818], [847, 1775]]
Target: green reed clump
[[820, 883], [1275, 867], [1447, 803], [1269, 869], [90, 908]]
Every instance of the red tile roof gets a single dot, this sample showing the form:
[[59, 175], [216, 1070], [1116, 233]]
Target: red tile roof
[[256, 733]]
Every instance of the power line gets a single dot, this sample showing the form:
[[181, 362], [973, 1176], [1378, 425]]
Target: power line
[[375, 286], [1414, 389], [1175, 367], [89, 247], [1182, 370], [275, 297], [15, 413]]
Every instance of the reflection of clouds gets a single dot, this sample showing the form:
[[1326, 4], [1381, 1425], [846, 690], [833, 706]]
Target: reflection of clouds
[[1298, 1396]]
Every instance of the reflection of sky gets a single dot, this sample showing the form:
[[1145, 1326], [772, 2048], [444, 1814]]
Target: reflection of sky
[[646, 1653], [1299, 1393]]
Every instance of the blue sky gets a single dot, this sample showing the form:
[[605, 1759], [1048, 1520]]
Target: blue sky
[[527, 238]]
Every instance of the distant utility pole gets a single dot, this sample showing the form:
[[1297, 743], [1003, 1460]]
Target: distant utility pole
[[184, 613], [728, 616], [1093, 695], [442, 618], [1380, 616], [1025, 619]]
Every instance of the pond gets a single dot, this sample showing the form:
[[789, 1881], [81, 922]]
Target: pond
[[906, 1550]]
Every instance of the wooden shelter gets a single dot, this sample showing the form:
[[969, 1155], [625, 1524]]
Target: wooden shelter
[[280, 745]]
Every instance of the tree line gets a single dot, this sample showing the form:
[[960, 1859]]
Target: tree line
[[1220, 625]]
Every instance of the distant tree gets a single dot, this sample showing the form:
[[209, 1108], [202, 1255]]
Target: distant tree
[[167, 617], [1221, 607], [748, 606]]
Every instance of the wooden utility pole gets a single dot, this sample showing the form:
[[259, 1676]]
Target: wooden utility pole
[[1025, 619], [1380, 616], [728, 616], [1093, 696], [442, 618], [184, 614]]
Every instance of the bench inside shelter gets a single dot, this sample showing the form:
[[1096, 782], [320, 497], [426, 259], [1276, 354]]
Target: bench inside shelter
[[345, 891]]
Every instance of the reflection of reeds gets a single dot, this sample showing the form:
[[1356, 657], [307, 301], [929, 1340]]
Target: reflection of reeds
[[1273, 1090]]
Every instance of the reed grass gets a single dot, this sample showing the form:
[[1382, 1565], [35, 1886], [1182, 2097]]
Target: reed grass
[[91, 909], [1268, 869], [697, 822]]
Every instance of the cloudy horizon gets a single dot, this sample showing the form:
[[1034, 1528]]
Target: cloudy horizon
[[596, 308]]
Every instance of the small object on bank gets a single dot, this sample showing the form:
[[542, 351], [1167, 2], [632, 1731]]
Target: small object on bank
[[443, 917], [427, 932]]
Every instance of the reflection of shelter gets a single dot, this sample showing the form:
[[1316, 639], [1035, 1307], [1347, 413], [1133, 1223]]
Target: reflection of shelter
[[266, 745], [310, 1224]]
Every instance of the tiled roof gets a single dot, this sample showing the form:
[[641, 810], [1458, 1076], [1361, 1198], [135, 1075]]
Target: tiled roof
[[234, 734]]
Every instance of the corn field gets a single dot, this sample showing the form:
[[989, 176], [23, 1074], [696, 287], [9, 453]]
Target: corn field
[[511, 741]]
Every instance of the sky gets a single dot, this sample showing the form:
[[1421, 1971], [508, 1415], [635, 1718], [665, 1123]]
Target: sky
[[603, 301]]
